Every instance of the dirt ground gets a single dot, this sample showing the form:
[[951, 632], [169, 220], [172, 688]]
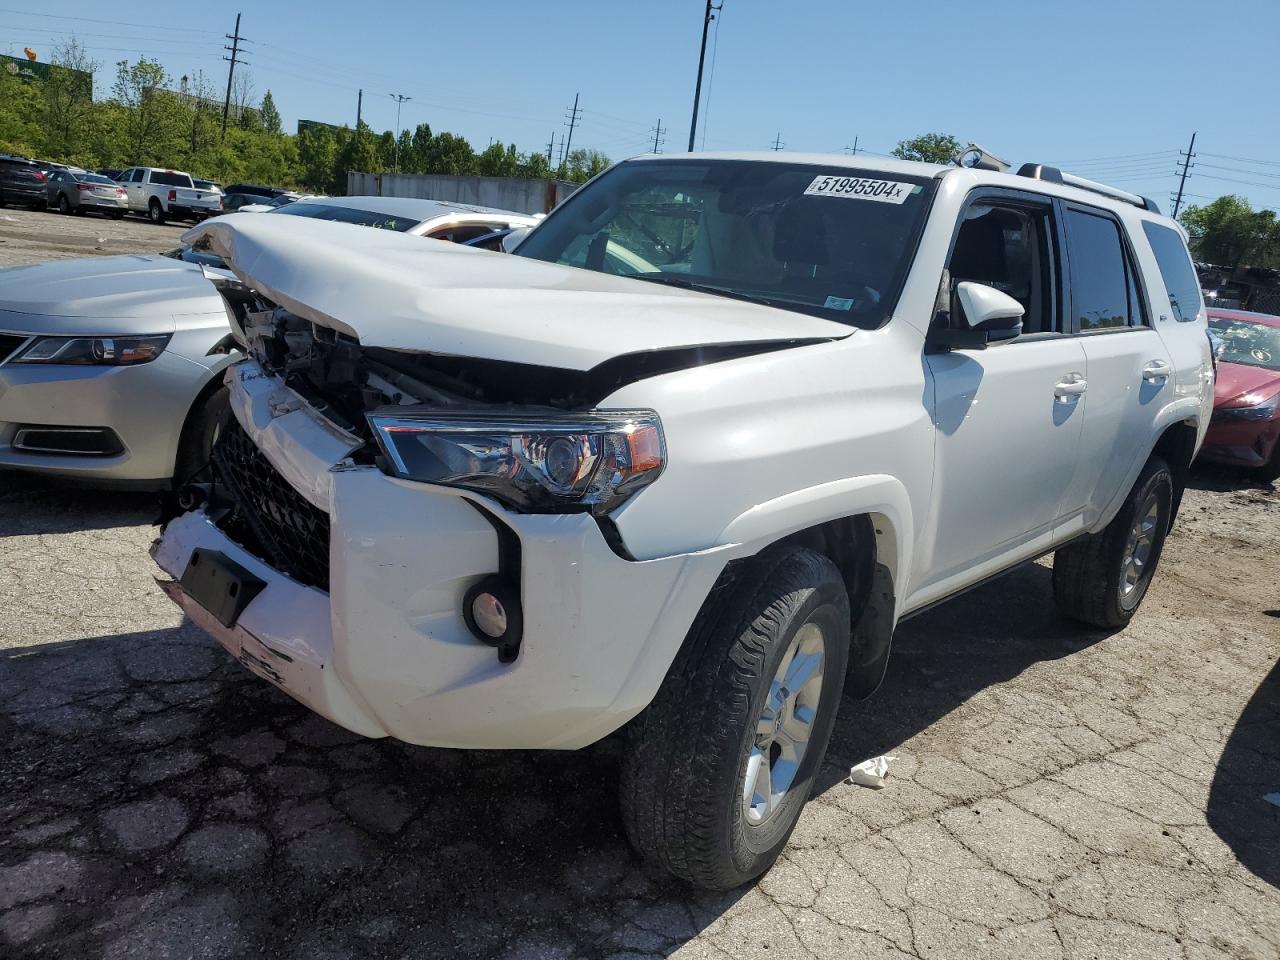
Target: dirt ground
[[1057, 792]]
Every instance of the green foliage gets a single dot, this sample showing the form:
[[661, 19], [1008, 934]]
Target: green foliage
[[1229, 233], [929, 147], [270, 115], [146, 121]]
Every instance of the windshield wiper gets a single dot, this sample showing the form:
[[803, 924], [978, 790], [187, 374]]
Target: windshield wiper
[[684, 284]]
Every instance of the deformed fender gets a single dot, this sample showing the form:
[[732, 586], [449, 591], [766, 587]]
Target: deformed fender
[[880, 495]]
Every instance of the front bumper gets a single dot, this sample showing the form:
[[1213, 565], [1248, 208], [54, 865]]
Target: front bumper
[[1240, 443], [144, 405], [386, 651]]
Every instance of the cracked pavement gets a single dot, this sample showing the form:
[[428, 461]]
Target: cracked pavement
[[1057, 792]]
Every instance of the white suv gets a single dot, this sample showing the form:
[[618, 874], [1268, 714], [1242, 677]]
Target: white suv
[[680, 464]]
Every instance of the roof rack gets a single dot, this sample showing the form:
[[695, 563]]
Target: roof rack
[[1040, 171]]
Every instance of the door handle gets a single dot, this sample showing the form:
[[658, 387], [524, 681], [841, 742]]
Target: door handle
[[1156, 371], [1069, 387]]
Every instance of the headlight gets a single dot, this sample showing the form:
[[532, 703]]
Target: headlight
[[94, 351], [1262, 410], [539, 464]]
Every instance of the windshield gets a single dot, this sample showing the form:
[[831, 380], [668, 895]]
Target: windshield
[[1250, 344], [829, 241], [93, 178], [281, 201], [365, 218]]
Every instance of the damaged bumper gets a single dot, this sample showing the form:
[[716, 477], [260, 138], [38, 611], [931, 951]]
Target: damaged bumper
[[386, 650]]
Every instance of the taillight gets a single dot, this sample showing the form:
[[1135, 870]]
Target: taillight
[[40, 176], [173, 195], [84, 186], [121, 192]]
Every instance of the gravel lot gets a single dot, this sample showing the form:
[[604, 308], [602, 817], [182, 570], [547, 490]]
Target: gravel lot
[[1057, 792]]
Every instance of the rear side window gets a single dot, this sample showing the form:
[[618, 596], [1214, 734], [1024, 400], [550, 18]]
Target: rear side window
[[1103, 289], [1175, 269], [169, 179]]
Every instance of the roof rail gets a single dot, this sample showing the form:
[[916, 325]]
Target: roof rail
[[1040, 171]]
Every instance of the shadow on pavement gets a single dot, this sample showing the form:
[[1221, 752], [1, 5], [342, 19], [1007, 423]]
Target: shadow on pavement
[[31, 504], [1248, 771]]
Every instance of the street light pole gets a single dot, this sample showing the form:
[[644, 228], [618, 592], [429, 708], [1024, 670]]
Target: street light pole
[[399, 98], [702, 58]]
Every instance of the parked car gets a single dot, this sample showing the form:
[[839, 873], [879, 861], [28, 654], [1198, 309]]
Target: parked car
[[1245, 431], [70, 192], [282, 200], [168, 194], [208, 185], [105, 365], [21, 182], [238, 195], [475, 500], [111, 173], [438, 219]]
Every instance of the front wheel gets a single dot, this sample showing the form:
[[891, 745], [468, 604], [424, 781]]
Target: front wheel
[[720, 765], [1101, 579]]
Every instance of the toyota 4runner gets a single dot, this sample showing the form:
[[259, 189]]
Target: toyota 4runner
[[678, 466]]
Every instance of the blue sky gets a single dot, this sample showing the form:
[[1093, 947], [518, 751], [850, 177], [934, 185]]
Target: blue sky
[[1107, 89]]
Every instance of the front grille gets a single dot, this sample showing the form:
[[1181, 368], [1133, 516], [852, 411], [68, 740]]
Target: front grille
[[10, 342], [268, 517]]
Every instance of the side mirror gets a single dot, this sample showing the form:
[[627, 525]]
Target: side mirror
[[512, 239], [989, 310]]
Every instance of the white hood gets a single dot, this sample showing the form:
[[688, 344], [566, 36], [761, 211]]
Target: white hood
[[414, 293]]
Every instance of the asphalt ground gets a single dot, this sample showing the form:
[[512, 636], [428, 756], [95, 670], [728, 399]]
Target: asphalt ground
[[1057, 791]]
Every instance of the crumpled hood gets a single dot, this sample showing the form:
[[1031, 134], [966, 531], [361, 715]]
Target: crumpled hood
[[414, 293], [1239, 384], [120, 295]]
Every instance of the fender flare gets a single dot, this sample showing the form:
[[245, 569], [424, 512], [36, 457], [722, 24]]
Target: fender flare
[[881, 496], [1183, 410]]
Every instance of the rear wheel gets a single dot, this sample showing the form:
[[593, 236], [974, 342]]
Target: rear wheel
[[116, 214], [155, 212], [64, 205], [719, 766], [1101, 579]]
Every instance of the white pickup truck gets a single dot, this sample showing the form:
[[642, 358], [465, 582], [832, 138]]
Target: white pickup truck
[[168, 194], [683, 460]]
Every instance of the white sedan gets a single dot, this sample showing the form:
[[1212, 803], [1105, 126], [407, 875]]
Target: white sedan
[[110, 367]]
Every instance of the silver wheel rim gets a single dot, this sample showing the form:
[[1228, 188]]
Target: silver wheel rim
[[785, 725], [1139, 546]]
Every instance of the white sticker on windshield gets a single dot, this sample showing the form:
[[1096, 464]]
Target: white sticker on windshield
[[860, 188], [839, 303]]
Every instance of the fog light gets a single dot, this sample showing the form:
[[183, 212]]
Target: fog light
[[491, 609], [490, 616]]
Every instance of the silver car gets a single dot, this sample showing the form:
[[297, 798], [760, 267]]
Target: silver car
[[74, 190], [110, 367]]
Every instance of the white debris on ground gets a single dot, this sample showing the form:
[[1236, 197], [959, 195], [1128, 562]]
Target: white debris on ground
[[871, 773]]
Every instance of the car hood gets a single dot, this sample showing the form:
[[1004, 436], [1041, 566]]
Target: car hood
[[120, 295], [1240, 385], [412, 293]]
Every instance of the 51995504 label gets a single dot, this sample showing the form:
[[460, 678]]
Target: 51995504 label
[[860, 188]]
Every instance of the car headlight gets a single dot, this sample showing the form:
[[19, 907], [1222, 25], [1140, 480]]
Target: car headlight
[[94, 351], [552, 463], [1262, 410]]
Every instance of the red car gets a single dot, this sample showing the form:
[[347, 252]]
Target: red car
[[1245, 430]]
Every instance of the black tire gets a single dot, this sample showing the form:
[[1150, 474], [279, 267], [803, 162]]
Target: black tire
[[686, 757], [199, 432], [155, 212], [1089, 573], [64, 205], [116, 214], [40, 205], [1269, 472]]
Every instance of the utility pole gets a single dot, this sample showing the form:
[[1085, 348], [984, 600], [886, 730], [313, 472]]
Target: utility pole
[[572, 117], [702, 58], [1186, 166], [231, 71], [852, 151], [777, 143], [658, 139], [399, 98], [551, 145], [359, 106]]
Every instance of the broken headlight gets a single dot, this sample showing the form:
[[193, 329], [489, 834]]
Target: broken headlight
[[94, 351], [540, 464]]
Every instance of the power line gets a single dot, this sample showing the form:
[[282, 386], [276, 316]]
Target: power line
[[1118, 156], [777, 143], [231, 71], [658, 139], [1224, 156], [1244, 170], [41, 15]]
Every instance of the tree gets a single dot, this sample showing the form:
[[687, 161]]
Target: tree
[[270, 115], [317, 151], [202, 118], [451, 155], [151, 113], [420, 149], [359, 153], [498, 161], [929, 147], [242, 95], [387, 149], [68, 99], [582, 165], [534, 165], [1229, 233], [20, 108]]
